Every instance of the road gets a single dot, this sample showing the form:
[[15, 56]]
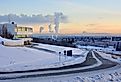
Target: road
[[71, 69]]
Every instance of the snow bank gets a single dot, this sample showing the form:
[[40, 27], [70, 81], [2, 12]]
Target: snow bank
[[8, 42], [109, 57], [14, 43], [57, 49], [23, 58], [110, 48]]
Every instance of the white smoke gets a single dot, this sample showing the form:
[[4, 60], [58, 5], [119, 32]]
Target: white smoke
[[57, 20], [31, 19]]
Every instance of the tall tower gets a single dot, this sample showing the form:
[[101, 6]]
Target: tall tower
[[50, 28], [41, 29]]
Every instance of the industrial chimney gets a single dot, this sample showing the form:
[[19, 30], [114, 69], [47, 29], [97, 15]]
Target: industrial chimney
[[50, 28], [41, 29]]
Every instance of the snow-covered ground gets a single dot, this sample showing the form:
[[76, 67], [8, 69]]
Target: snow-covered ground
[[57, 49], [109, 49], [109, 57], [105, 52], [106, 75], [19, 58], [98, 48], [23, 58], [9, 42]]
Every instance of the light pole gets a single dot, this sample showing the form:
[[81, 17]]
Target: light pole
[[59, 57], [65, 54]]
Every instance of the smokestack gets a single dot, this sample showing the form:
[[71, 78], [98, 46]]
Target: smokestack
[[57, 21], [50, 28], [41, 29]]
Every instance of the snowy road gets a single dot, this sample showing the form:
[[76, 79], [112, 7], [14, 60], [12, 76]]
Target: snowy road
[[91, 64]]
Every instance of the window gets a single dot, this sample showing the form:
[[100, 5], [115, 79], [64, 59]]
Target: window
[[25, 29]]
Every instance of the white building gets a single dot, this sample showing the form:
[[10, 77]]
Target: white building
[[17, 31], [10, 27], [23, 31]]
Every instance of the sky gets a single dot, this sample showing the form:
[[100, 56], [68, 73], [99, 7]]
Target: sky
[[93, 16]]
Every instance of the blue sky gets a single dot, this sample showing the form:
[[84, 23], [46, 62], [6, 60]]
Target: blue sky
[[104, 12], [50, 6]]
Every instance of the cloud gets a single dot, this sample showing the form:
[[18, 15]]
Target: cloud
[[33, 19]]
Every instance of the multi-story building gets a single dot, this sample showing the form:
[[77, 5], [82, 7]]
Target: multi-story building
[[22, 31]]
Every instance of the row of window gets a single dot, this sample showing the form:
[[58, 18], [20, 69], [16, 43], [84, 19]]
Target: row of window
[[23, 29]]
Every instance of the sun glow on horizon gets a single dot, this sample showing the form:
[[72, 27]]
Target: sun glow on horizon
[[96, 16]]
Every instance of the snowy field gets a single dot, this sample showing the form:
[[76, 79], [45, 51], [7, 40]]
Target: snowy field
[[23, 58], [19, 58], [60, 48], [105, 75]]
